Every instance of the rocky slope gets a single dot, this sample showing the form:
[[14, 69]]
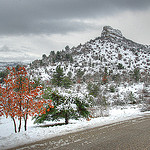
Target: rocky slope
[[124, 64], [111, 51]]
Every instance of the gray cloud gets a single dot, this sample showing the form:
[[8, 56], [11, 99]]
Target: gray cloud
[[8, 54], [6, 49], [58, 16], [43, 26]]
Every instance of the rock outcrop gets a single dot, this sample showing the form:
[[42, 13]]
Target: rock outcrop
[[109, 32]]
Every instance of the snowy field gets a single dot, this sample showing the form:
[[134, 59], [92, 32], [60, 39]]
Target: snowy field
[[9, 139]]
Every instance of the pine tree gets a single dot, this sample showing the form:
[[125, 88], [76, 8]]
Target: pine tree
[[44, 56], [66, 82], [3, 75], [64, 107], [93, 89], [136, 74], [58, 76], [58, 56]]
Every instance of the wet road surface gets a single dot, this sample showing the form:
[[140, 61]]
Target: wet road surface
[[131, 134]]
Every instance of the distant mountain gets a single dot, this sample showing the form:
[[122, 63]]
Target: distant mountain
[[110, 52], [13, 54], [4, 65]]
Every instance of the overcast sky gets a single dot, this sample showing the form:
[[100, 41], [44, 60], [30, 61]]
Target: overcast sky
[[30, 28]]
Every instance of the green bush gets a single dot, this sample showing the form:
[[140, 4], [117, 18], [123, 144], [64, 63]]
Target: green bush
[[136, 74], [131, 98], [93, 89], [112, 89], [64, 107], [120, 66]]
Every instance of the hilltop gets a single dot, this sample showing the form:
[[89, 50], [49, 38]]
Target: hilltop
[[124, 63], [109, 50]]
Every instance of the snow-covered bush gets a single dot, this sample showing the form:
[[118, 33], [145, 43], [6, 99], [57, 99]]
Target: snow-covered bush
[[64, 107]]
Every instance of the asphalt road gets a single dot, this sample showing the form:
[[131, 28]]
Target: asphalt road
[[127, 135]]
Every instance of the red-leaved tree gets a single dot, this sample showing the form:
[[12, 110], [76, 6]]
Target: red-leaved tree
[[104, 79], [18, 98]]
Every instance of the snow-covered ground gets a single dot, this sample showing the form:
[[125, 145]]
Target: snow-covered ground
[[9, 139]]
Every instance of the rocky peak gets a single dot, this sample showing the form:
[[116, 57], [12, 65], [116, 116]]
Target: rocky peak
[[115, 36], [109, 32]]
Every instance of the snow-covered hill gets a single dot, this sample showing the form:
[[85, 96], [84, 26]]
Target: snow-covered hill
[[110, 54], [109, 51]]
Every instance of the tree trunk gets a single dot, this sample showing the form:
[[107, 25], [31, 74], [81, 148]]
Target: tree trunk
[[25, 122], [15, 128], [66, 119], [19, 125], [20, 103]]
